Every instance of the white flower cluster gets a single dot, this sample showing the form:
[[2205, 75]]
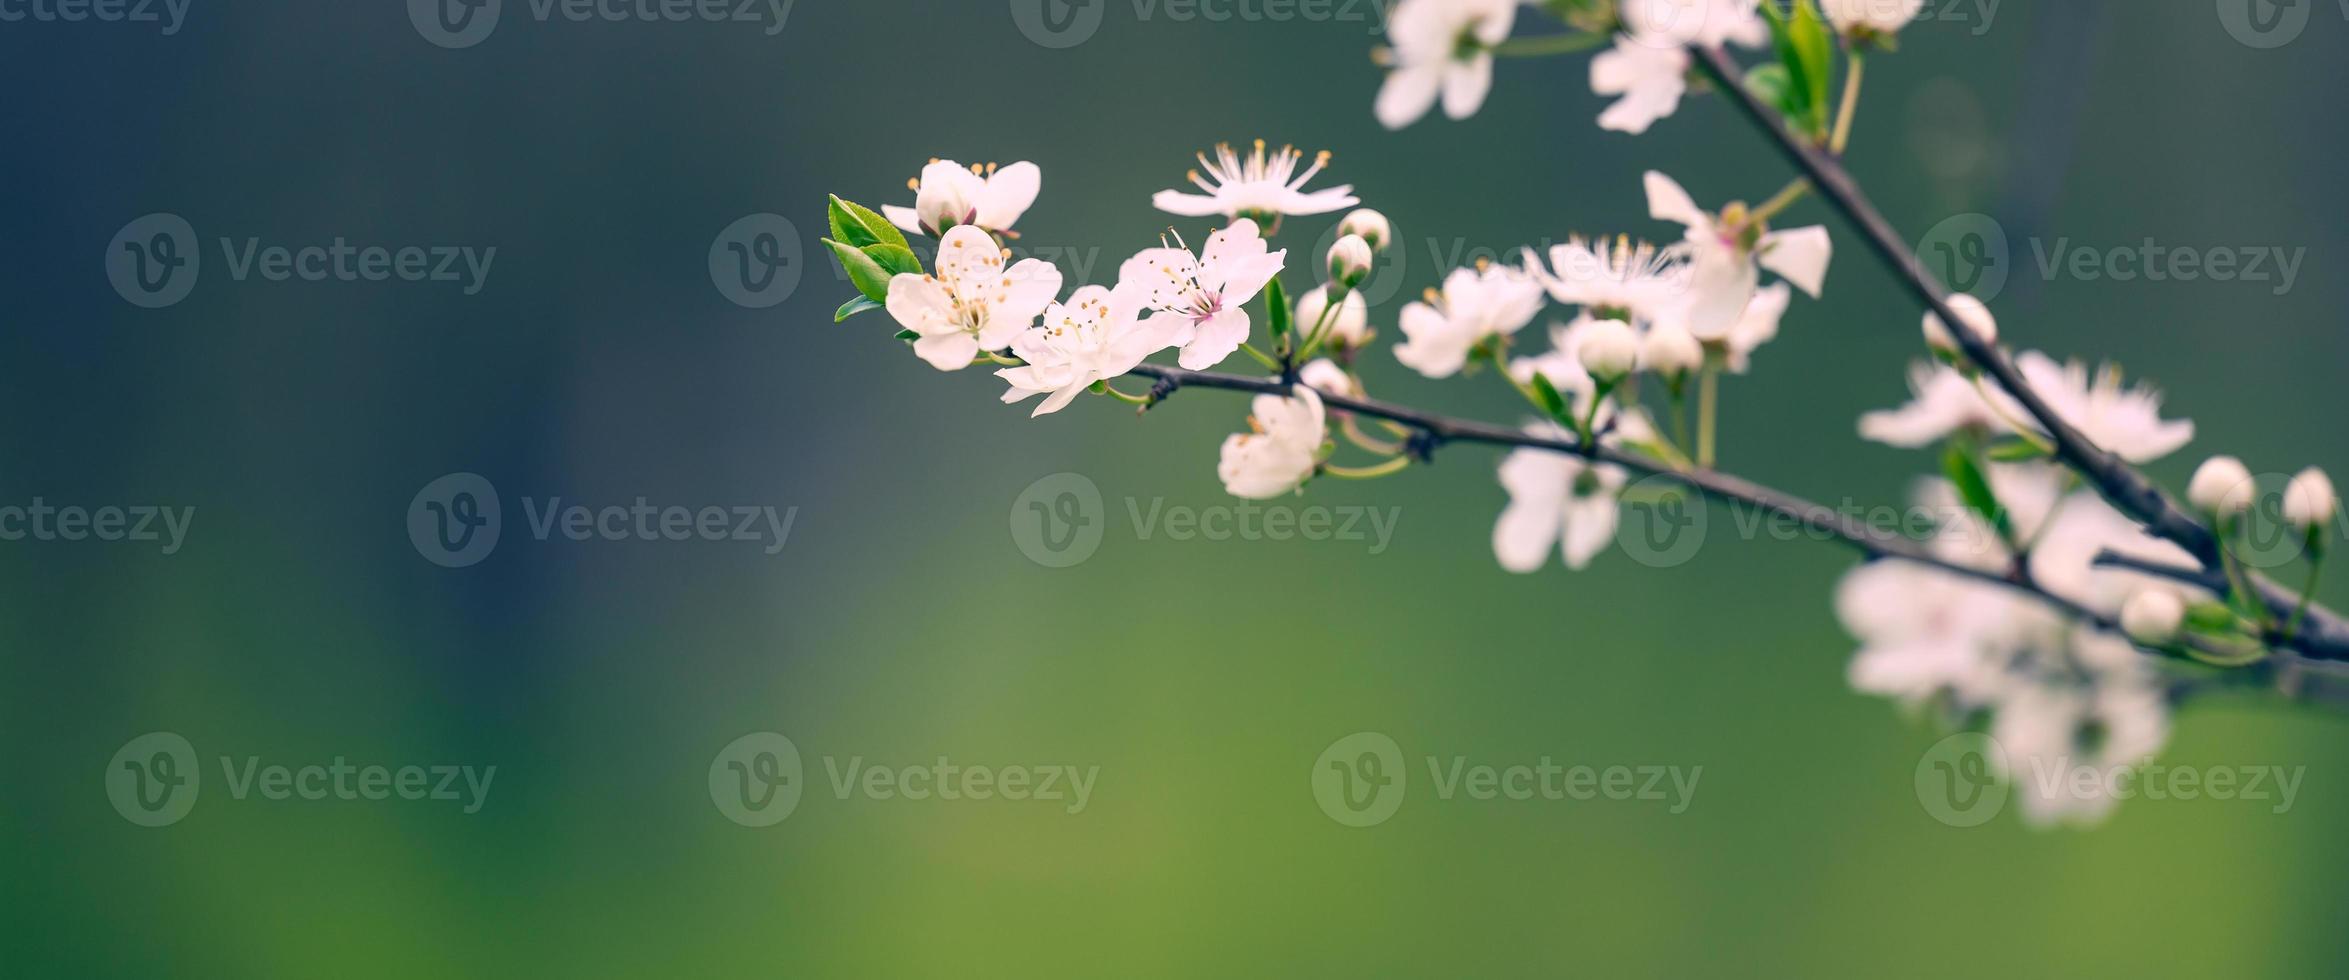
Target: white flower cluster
[[2012, 611]]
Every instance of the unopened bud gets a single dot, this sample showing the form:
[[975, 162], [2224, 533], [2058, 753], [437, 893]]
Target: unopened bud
[[1971, 313], [1348, 327], [1610, 350], [2153, 617], [1671, 351], [2222, 487], [1349, 261], [1370, 226], [2309, 500]]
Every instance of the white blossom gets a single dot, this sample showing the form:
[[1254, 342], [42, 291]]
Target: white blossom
[[1758, 325], [2126, 422], [1723, 258], [1441, 47], [1624, 278], [1259, 185], [1946, 401], [1649, 64], [1281, 451], [2153, 616], [1325, 375], [971, 302], [1611, 350], [1099, 334], [1475, 305], [947, 195], [1207, 291], [1671, 351], [2070, 750], [1870, 16], [1560, 500]]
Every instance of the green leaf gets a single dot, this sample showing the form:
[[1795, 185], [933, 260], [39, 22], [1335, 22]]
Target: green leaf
[[1276, 306], [894, 259], [861, 304], [1814, 47], [908, 336], [2017, 451], [867, 274], [860, 226], [1552, 402], [1771, 84], [2213, 617], [1957, 462]]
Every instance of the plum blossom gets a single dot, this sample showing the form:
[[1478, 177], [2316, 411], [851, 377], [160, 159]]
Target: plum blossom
[[2124, 421], [1625, 279], [1858, 17], [1099, 334], [1348, 327], [1946, 402], [1649, 65], [2068, 750], [1474, 306], [1281, 451], [1325, 374], [1441, 47], [971, 303], [947, 195], [2310, 502], [1724, 255], [1207, 292], [1257, 186], [1758, 325], [1560, 500]]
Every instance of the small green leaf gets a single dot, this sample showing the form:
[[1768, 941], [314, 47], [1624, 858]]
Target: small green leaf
[[894, 259], [1771, 84], [2017, 451], [867, 274], [908, 336], [1957, 462], [1814, 45], [1552, 402], [860, 226], [861, 304], [1276, 306], [2213, 617]]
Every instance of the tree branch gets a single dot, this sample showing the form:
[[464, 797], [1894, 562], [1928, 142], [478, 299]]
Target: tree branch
[[2327, 632], [2128, 489], [1871, 542]]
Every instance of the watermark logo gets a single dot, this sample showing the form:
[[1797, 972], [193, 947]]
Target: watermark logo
[[2265, 24], [1058, 521], [1058, 24], [153, 779], [1961, 780], [756, 261], [455, 520], [110, 523], [153, 261], [1360, 780], [455, 24], [1970, 254], [757, 780], [1668, 530]]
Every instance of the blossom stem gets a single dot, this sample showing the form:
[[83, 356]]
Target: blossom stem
[[1785, 198], [1320, 325], [1388, 468], [1708, 414], [1354, 434], [1549, 44], [2022, 429], [1105, 388], [1851, 103], [1261, 358], [1870, 540], [2316, 571]]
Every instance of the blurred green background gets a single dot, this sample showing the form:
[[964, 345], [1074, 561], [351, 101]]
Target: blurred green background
[[902, 623]]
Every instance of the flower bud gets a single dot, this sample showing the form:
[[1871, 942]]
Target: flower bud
[[1671, 351], [1975, 317], [2309, 500], [1348, 327], [1349, 261], [2222, 487], [1370, 226], [1609, 351], [1871, 16], [2153, 617]]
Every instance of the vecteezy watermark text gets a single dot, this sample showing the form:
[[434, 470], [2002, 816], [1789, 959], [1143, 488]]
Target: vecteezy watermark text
[[1973, 254], [1060, 521], [154, 261], [142, 523], [456, 521], [1361, 780], [465, 23], [154, 780], [757, 781], [171, 14]]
